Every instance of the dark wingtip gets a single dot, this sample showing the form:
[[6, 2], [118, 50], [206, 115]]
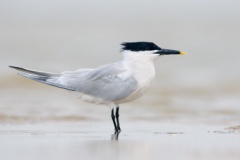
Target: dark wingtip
[[18, 68], [14, 67]]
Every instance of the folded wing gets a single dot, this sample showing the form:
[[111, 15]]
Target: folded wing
[[110, 82]]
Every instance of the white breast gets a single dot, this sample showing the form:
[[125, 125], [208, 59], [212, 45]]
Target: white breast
[[142, 67]]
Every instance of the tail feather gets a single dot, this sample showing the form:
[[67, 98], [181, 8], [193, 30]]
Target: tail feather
[[43, 77], [34, 72]]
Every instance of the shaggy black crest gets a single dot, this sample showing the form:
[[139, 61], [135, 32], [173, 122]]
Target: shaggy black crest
[[139, 46]]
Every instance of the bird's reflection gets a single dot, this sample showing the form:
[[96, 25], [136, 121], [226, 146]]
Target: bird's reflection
[[114, 137]]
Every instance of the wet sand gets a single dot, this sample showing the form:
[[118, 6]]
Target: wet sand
[[141, 140]]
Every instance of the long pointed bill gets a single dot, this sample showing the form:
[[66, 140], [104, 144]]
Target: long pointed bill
[[169, 51]]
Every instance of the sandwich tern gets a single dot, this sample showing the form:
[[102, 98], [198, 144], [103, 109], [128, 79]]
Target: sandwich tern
[[110, 84]]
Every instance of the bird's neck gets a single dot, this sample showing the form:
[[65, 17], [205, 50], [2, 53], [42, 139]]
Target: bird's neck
[[139, 60], [142, 66]]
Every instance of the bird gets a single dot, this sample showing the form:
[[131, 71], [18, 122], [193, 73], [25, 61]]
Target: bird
[[110, 84]]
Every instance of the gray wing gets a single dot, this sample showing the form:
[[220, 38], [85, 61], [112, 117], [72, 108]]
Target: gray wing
[[110, 82]]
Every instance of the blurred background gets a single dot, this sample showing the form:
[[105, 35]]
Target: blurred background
[[51, 35]]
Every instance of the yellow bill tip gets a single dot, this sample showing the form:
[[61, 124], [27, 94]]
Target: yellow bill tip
[[183, 53]]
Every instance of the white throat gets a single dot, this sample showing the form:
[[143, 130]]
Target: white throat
[[141, 56], [142, 67], [141, 63]]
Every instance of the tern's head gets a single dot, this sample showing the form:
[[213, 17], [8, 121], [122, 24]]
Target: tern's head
[[148, 47]]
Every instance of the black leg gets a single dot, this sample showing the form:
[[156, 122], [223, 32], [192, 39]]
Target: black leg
[[117, 117], [114, 123]]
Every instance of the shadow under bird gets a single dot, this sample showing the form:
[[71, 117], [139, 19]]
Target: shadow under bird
[[110, 84]]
